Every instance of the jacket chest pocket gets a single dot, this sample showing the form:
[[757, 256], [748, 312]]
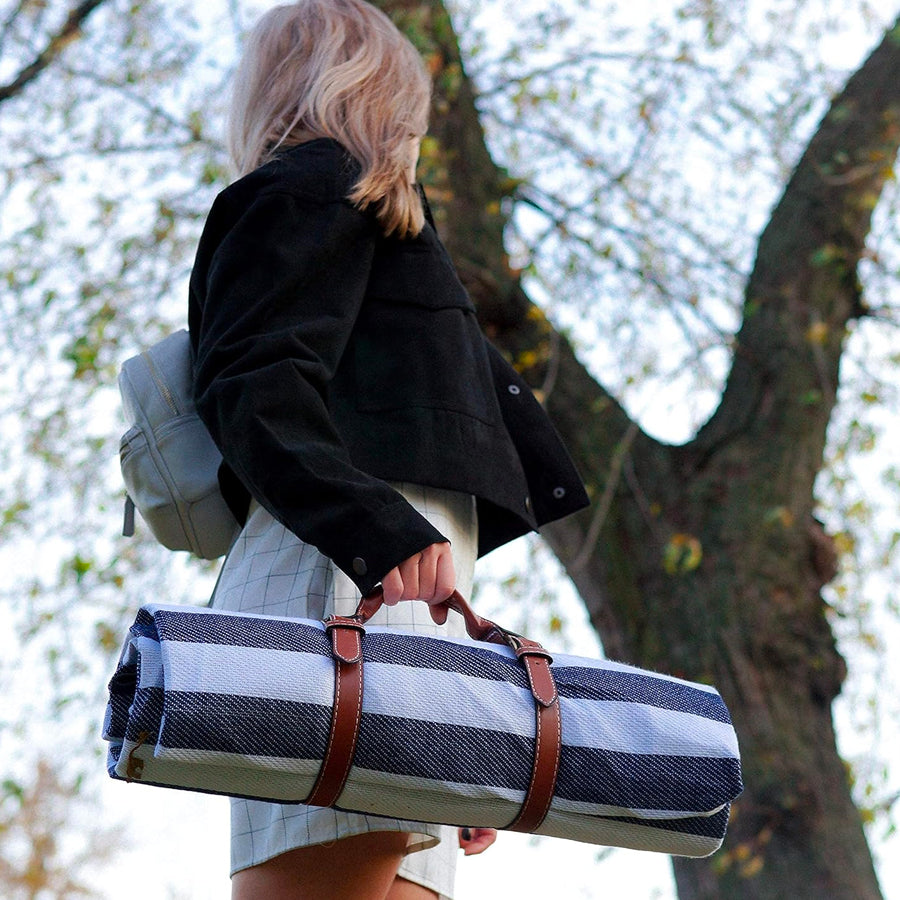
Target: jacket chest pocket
[[417, 272], [411, 355], [417, 342]]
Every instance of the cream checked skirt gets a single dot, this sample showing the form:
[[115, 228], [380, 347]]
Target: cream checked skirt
[[270, 571]]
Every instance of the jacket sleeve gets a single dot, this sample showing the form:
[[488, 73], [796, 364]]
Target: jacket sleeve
[[278, 299]]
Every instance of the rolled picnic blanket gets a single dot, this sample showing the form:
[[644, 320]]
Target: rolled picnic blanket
[[238, 704]]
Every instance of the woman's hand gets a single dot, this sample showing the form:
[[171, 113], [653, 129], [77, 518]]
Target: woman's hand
[[428, 576], [476, 840]]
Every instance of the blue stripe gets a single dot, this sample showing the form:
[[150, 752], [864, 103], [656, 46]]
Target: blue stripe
[[586, 683], [422, 652], [647, 781], [241, 631], [121, 694], [146, 714], [245, 725], [481, 756], [444, 752], [144, 625]]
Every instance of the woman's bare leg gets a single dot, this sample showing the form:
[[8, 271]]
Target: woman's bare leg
[[402, 889], [359, 867]]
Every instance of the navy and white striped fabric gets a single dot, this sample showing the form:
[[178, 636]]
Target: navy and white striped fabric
[[240, 704]]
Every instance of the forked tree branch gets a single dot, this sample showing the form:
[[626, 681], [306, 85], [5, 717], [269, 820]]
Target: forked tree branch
[[68, 32]]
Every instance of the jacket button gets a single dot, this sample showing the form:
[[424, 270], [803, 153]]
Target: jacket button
[[528, 505], [514, 389], [559, 493], [359, 566]]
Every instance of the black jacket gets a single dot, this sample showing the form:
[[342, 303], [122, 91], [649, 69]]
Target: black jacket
[[330, 359]]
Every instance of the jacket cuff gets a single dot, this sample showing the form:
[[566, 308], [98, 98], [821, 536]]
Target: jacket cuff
[[383, 541]]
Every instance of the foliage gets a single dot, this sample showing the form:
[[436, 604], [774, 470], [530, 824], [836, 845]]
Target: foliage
[[41, 856], [645, 143], [105, 176]]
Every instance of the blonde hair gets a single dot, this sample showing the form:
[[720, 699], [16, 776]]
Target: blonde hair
[[338, 69]]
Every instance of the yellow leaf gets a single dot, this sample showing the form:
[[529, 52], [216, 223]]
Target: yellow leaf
[[682, 554], [817, 333], [525, 360], [844, 542], [752, 867], [779, 515]]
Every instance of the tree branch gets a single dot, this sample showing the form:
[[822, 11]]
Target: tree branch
[[804, 288], [69, 31], [579, 60]]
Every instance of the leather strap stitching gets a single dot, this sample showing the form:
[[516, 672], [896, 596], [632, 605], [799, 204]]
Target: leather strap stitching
[[547, 751], [340, 750]]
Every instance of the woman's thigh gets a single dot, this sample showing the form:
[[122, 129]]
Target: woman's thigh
[[359, 867]]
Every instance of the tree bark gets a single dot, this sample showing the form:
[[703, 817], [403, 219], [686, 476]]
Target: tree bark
[[705, 560]]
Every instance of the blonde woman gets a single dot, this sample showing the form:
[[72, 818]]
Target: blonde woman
[[370, 434]]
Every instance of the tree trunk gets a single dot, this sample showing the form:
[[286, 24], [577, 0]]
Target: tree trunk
[[705, 560]]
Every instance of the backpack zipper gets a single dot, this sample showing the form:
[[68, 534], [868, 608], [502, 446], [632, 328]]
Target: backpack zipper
[[160, 384]]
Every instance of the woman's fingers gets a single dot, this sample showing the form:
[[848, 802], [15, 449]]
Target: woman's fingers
[[427, 573], [392, 587], [445, 577], [428, 576], [444, 584], [402, 582], [409, 575], [476, 840]]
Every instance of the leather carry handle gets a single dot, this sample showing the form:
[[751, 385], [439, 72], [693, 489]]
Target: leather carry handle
[[478, 628]]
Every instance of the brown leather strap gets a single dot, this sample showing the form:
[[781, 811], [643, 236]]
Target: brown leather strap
[[346, 644], [537, 667], [547, 740]]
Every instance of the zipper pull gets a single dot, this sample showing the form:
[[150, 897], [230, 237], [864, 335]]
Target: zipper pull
[[128, 521]]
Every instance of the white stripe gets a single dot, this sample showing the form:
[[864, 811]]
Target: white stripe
[[393, 690], [604, 809], [622, 834], [449, 698], [249, 672], [637, 728], [380, 794], [151, 667]]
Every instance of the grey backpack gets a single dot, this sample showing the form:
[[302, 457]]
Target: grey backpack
[[169, 461]]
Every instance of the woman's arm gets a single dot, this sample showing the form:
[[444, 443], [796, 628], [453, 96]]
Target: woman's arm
[[277, 288]]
